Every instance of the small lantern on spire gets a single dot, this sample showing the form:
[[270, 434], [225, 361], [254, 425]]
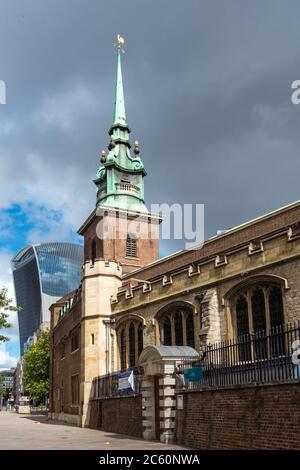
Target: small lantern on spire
[[103, 156], [136, 147]]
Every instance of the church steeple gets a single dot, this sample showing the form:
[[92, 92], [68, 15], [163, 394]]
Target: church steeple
[[120, 177], [119, 111]]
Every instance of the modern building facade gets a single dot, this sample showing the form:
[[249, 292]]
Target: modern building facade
[[42, 274], [8, 378], [135, 311]]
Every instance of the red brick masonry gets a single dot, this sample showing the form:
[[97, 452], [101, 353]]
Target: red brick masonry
[[121, 415], [252, 417]]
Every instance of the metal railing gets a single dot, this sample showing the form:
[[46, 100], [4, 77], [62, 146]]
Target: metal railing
[[262, 357], [109, 385]]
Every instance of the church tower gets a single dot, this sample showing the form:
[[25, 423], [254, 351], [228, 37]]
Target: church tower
[[120, 235]]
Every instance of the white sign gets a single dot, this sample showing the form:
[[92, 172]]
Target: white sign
[[126, 381]]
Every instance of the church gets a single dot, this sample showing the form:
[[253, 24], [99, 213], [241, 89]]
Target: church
[[136, 312]]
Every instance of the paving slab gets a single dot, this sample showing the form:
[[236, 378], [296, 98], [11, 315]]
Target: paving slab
[[38, 432]]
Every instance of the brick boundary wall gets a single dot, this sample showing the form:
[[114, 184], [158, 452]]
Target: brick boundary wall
[[120, 415], [248, 417]]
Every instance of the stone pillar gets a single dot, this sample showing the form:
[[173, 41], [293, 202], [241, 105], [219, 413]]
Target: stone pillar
[[167, 403], [148, 408]]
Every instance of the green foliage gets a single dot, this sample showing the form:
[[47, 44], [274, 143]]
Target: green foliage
[[2, 389], [36, 368], [5, 393], [5, 307]]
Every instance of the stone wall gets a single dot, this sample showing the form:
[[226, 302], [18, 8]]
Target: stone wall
[[121, 415], [252, 417], [64, 366]]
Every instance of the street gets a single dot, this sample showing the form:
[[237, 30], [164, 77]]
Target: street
[[22, 432]]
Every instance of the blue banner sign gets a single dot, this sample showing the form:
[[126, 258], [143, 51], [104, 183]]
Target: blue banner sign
[[194, 374]]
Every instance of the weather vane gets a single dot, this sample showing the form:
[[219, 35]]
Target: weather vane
[[119, 45]]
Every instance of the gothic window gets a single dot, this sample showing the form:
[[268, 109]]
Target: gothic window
[[167, 332], [242, 323], [131, 246], [190, 330], [131, 345], [276, 306], [177, 328], [123, 349], [130, 340], [140, 338], [259, 323], [258, 310], [276, 319]]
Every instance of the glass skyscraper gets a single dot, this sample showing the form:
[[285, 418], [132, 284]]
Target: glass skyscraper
[[43, 274]]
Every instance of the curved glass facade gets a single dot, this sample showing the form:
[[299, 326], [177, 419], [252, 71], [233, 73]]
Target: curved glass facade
[[43, 274]]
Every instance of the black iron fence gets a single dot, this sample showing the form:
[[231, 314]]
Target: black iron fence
[[121, 383], [262, 357]]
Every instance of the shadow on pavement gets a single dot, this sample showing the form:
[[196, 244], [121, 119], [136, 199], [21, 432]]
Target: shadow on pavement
[[45, 420]]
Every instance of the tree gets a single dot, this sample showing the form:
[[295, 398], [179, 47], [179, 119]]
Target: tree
[[5, 306], [36, 368], [2, 389]]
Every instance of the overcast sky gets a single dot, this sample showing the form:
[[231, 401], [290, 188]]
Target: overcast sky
[[208, 95]]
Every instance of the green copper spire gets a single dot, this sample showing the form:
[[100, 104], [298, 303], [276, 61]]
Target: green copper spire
[[120, 177], [119, 112]]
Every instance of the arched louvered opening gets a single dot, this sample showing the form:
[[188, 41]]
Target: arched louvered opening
[[131, 246]]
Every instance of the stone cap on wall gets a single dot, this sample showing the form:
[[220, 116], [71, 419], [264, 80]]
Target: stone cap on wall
[[154, 353]]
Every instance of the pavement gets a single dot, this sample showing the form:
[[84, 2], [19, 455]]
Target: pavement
[[37, 432]]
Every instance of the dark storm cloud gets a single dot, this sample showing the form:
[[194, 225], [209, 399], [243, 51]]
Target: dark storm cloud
[[207, 89]]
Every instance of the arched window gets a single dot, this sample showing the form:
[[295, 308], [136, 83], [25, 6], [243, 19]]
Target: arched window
[[276, 306], [177, 327], [242, 326], [189, 321], [167, 332], [131, 246], [131, 334], [140, 338], [258, 310], [242, 322], [93, 251], [276, 320], [132, 345], [123, 349]]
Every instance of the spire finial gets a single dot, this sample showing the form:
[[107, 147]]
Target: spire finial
[[120, 43], [119, 112]]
